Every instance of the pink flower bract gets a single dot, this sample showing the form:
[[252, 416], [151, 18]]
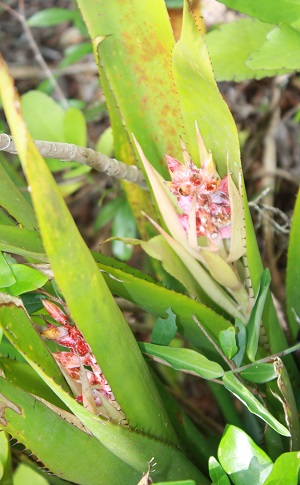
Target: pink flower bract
[[213, 217]]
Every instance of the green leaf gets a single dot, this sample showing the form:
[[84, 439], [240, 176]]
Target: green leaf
[[26, 474], [7, 277], [247, 398], [217, 473], [253, 327], [293, 275], [180, 482], [185, 360], [44, 117], [229, 46], [200, 99], [105, 143], [164, 329], [139, 52], [27, 279], [5, 460], [107, 212], [74, 127], [14, 202], [289, 9], [228, 342], [124, 225], [20, 331], [50, 16], [23, 375], [84, 289], [285, 470], [154, 298], [242, 459], [32, 302], [281, 50], [75, 52], [241, 339], [259, 373], [111, 453], [23, 242], [285, 395]]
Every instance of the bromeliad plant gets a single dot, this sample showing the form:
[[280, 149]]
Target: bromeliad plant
[[90, 405]]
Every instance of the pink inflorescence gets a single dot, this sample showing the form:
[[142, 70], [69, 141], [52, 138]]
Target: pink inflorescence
[[213, 218], [69, 336]]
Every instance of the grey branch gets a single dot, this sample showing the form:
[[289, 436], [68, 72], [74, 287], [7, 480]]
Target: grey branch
[[67, 152]]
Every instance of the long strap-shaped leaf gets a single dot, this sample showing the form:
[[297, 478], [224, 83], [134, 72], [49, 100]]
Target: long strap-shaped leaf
[[131, 447], [76, 454], [90, 302]]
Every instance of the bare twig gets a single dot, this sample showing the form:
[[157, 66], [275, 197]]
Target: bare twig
[[72, 153], [20, 16]]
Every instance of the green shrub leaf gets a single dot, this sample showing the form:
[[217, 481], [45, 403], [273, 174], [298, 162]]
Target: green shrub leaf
[[242, 459], [247, 398], [185, 360]]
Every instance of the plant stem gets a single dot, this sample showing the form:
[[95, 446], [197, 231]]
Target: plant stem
[[68, 152]]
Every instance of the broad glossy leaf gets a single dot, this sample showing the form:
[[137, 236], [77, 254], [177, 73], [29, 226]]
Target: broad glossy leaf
[[5, 460], [228, 342], [27, 279], [229, 46], [200, 99], [242, 459], [23, 242], [285, 470], [74, 127], [7, 277], [164, 329], [249, 400], [51, 127], [293, 275], [259, 373], [185, 360], [89, 300], [281, 50], [26, 474], [14, 202], [253, 327], [289, 9], [217, 473]]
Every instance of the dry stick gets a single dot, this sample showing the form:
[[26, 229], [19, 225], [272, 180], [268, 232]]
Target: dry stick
[[20, 16], [72, 153]]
